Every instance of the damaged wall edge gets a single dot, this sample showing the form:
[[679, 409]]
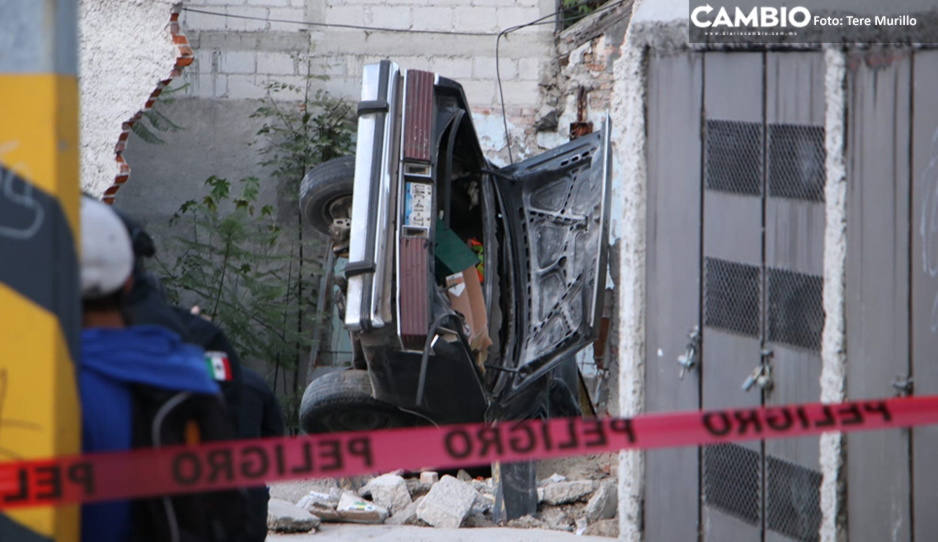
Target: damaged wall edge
[[628, 124], [833, 338], [107, 98]]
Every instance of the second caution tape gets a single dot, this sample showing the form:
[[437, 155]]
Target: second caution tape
[[183, 469]]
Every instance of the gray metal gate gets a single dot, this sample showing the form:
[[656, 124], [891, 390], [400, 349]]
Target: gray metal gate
[[743, 265]]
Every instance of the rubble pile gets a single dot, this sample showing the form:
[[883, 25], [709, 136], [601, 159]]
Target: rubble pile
[[430, 500]]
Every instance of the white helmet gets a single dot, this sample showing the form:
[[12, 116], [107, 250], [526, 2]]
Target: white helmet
[[107, 257]]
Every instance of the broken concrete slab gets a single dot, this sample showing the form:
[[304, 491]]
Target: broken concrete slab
[[285, 517], [463, 476], [354, 509], [389, 491], [417, 488], [429, 477], [482, 504], [565, 492], [407, 516], [604, 503], [604, 527], [447, 503]]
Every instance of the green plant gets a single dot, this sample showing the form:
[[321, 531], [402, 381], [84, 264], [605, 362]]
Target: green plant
[[574, 10], [153, 120]]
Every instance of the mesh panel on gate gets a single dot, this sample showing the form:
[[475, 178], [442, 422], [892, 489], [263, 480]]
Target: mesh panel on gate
[[734, 157], [731, 296], [793, 499], [796, 161], [732, 481], [796, 308]]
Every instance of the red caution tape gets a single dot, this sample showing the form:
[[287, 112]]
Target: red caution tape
[[183, 469]]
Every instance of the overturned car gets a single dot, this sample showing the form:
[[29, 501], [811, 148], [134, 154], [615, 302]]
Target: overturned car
[[468, 288]]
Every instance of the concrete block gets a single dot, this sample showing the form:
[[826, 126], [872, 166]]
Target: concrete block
[[285, 517], [276, 63], [202, 21], [604, 503], [286, 14], [389, 491], [392, 16], [256, 22], [345, 15], [407, 516], [433, 18], [475, 18], [238, 62], [453, 67], [529, 69], [557, 519], [521, 92], [447, 504], [565, 492], [429, 477], [271, 3], [483, 67], [244, 87], [509, 17]]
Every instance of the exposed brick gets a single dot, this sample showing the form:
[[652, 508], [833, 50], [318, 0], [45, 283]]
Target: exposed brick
[[238, 62], [474, 18], [391, 17]]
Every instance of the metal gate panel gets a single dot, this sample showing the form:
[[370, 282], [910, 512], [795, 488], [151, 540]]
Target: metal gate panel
[[794, 259], [733, 100], [675, 87], [925, 285], [877, 304]]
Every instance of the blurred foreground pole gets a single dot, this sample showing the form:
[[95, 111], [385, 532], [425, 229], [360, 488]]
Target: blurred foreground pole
[[39, 299]]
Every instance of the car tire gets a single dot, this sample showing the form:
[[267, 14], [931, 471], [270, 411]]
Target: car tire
[[326, 193], [342, 401]]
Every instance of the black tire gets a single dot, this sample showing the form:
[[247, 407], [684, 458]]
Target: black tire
[[342, 401], [326, 193]]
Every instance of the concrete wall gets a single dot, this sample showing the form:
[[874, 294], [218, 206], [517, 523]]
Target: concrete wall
[[126, 49], [236, 57]]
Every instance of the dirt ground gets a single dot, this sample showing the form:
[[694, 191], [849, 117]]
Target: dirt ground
[[405, 533]]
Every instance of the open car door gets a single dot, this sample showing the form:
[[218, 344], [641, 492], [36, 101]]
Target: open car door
[[557, 212]]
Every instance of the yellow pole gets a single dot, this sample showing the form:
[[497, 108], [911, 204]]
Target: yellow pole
[[39, 300]]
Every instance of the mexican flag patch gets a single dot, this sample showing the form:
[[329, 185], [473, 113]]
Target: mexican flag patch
[[218, 366]]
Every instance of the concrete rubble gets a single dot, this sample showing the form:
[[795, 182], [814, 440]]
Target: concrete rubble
[[389, 491], [448, 503], [573, 505], [556, 493], [285, 517]]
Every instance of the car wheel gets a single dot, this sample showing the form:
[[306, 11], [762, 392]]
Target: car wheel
[[342, 401], [326, 193]]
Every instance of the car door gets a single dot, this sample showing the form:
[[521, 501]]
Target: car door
[[556, 212]]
